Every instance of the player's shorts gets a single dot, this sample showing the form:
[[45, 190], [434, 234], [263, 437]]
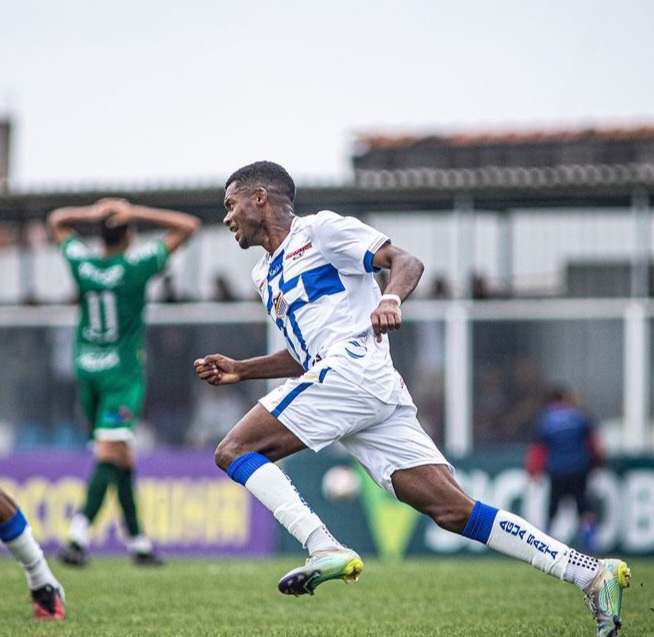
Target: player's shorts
[[112, 401], [322, 407]]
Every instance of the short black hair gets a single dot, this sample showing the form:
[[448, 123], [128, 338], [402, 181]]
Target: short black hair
[[266, 174], [557, 393], [112, 235]]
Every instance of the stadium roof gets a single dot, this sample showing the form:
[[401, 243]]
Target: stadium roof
[[560, 136], [395, 173]]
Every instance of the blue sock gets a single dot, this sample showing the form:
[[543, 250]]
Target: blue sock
[[480, 523], [13, 527], [245, 465]]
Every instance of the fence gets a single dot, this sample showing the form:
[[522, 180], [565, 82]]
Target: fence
[[476, 369]]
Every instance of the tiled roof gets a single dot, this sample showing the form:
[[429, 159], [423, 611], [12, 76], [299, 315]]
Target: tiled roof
[[389, 141]]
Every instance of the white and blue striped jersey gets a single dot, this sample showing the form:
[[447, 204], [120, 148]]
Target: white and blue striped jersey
[[318, 286]]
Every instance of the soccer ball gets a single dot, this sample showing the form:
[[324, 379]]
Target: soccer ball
[[341, 484]]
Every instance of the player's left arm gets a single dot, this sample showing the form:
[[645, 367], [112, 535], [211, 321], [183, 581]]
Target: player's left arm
[[405, 271], [180, 225], [218, 369]]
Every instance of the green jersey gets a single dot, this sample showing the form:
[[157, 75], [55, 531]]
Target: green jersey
[[112, 297]]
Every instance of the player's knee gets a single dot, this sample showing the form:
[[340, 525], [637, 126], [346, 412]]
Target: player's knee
[[226, 452]]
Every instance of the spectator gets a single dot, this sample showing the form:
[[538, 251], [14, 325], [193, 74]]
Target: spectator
[[566, 450]]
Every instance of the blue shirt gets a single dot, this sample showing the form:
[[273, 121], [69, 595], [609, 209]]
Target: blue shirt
[[565, 430]]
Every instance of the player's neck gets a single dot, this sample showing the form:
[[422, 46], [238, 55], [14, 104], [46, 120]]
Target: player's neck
[[278, 230], [112, 251]]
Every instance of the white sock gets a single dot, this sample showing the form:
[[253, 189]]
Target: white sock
[[274, 489], [322, 539], [581, 569], [80, 531], [514, 536], [140, 544], [29, 553]]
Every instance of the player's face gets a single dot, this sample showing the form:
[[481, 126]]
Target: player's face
[[243, 217]]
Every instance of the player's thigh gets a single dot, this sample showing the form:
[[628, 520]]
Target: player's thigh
[[395, 443], [120, 405], [257, 431], [124, 393]]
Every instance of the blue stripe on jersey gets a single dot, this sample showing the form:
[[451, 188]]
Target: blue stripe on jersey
[[290, 397], [298, 332], [322, 281], [367, 262], [318, 282]]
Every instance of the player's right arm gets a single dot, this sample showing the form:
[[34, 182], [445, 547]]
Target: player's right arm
[[217, 369], [62, 220]]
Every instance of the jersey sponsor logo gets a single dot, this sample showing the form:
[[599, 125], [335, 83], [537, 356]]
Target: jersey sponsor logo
[[107, 277], [296, 254], [275, 267], [355, 349], [97, 362]]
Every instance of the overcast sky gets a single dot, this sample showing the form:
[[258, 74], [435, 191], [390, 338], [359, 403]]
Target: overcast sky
[[160, 91]]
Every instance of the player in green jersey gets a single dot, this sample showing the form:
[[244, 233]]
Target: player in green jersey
[[108, 353]]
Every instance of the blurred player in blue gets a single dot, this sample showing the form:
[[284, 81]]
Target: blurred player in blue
[[566, 434], [316, 281], [45, 590]]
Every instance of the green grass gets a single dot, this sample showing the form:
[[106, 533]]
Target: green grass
[[486, 597]]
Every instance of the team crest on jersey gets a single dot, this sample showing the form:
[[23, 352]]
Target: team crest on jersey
[[296, 254], [280, 305]]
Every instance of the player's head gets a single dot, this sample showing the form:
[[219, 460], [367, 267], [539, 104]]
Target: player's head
[[114, 236], [264, 174], [557, 394], [257, 197]]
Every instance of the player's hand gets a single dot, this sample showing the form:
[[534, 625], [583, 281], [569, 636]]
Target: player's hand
[[117, 211], [217, 369], [386, 317]]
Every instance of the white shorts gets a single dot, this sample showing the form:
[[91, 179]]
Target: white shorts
[[322, 407]]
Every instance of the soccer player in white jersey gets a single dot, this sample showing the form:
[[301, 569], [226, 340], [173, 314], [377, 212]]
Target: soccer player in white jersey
[[316, 282]]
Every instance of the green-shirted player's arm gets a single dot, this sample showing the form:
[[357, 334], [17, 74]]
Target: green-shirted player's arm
[[180, 225], [62, 220]]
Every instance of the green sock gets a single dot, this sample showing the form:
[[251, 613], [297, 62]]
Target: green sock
[[104, 473], [125, 486]]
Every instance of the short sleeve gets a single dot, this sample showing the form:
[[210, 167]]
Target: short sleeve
[[149, 259], [346, 242]]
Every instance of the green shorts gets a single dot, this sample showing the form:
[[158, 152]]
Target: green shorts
[[112, 401]]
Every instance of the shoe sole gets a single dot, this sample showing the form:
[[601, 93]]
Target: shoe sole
[[305, 583]]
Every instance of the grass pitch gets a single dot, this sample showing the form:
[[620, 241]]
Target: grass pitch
[[448, 597]]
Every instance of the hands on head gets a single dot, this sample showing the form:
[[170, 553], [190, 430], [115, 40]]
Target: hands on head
[[117, 211]]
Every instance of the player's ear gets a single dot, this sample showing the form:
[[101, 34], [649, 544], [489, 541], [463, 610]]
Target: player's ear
[[260, 196]]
